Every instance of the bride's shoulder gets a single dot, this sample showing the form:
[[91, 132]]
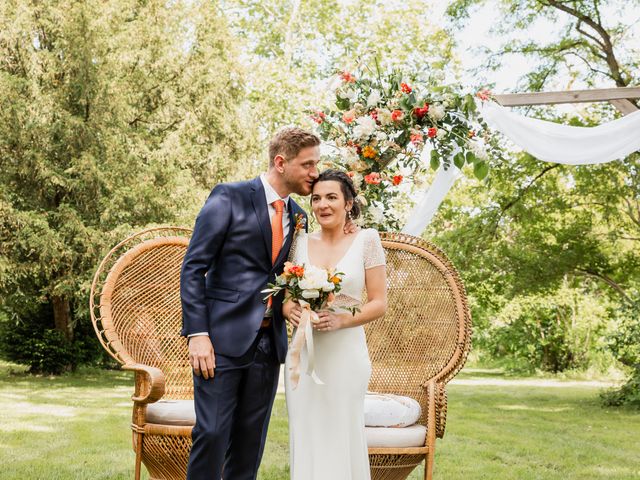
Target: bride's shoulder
[[370, 234]]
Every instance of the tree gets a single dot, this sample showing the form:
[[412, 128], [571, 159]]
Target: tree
[[112, 117], [550, 225]]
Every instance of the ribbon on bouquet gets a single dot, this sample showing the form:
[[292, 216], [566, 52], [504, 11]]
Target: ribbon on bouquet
[[302, 337]]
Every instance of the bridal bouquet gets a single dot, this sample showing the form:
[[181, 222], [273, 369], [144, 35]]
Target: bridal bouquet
[[313, 288], [310, 284]]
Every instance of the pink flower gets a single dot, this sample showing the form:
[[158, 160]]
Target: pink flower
[[348, 116], [373, 178], [318, 117], [416, 138], [484, 94]]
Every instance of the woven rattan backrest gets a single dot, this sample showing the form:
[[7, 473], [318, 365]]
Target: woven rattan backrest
[[141, 313], [426, 332]]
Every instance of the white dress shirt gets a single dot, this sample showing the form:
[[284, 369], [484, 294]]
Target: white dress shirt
[[270, 196]]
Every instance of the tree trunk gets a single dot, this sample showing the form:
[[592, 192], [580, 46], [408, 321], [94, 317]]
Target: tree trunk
[[62, 316]]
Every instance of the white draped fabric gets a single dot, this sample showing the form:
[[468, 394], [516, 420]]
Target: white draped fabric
[[424, 211], [547, 141], [557, 143]]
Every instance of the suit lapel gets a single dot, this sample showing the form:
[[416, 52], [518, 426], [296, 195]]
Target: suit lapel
[[262, 213]]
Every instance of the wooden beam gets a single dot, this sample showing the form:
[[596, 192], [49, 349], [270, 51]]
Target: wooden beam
[[573, 96], [624, 106]]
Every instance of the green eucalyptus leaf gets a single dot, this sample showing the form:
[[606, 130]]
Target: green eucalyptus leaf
[[435, 160]]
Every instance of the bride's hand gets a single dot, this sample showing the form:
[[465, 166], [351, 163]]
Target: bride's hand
[[294, 315], [328, 321]]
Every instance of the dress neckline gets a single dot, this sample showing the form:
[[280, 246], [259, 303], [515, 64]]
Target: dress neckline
[[341, 258]]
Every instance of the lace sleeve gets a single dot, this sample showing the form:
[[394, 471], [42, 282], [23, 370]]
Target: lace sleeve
[[373, 251]]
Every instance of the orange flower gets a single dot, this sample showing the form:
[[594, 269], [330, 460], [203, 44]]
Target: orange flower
[[397, 179], [287, 268], [347, 77], [298, 271], [405, 88], [373, 178], [397, 115], [432, 132], [335, 280], [369, 152], [472, 133]]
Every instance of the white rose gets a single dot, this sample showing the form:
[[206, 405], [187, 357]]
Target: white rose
[[441, 134], [314, 280], [479, 150], [381, 136], [436, 112], [357, 180], [365, 126], [373, 99], [384, 116], [376, 214], [348, 93]]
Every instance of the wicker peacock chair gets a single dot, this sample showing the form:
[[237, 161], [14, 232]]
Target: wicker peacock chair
[[419, 346], [415, 349]]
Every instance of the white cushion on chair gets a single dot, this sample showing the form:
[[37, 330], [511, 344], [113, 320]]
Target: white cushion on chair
[[171, 412], [379, 411], [386, 410], [380, 437]]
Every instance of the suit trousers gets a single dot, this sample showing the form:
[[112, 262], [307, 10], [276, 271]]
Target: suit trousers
[[232, 413]]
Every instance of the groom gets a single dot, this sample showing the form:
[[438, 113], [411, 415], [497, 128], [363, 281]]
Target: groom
[[240, 241]]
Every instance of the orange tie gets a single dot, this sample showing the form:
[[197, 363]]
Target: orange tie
[[277, 234]]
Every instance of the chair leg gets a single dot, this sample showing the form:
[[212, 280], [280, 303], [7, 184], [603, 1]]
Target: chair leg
[[428, 467], [139, 437]]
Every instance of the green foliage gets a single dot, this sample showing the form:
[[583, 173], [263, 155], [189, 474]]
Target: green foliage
[[624, 342], [33, 341], [551, 333], [111, 118]]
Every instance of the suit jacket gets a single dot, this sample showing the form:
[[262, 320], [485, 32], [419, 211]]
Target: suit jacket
[[228, 263]]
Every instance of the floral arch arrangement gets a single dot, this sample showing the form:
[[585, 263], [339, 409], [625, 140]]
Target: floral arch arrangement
[[380, 124]]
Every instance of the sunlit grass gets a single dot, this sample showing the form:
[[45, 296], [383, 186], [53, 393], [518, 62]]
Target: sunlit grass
[[77, 427]]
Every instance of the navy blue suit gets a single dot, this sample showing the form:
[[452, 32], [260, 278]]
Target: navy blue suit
[[227, 264]]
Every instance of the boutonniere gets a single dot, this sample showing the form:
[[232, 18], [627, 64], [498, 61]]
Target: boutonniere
[[301, 223]]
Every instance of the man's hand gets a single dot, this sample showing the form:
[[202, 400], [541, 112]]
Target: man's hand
[[295, 315], [201, 356], [350, 227]]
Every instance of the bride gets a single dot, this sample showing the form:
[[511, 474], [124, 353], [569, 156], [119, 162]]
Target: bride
[[326, 420]]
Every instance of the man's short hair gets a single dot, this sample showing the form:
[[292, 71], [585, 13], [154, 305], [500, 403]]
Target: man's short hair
[[289, 141]]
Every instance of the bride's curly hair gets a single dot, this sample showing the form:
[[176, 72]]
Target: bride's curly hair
[[346, 185]]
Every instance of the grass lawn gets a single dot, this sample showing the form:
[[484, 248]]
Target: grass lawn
[[77, 427]]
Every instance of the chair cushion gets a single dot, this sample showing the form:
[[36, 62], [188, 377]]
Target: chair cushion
[[386, 410], [171, 412], [379, 411], [413, 436]]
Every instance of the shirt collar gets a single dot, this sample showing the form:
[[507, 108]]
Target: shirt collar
[[270, 194]]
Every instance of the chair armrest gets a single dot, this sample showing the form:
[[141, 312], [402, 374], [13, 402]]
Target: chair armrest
[[149, 383], [441, 409]]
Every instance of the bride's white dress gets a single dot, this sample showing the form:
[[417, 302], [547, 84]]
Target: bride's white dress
[[326, 422]]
